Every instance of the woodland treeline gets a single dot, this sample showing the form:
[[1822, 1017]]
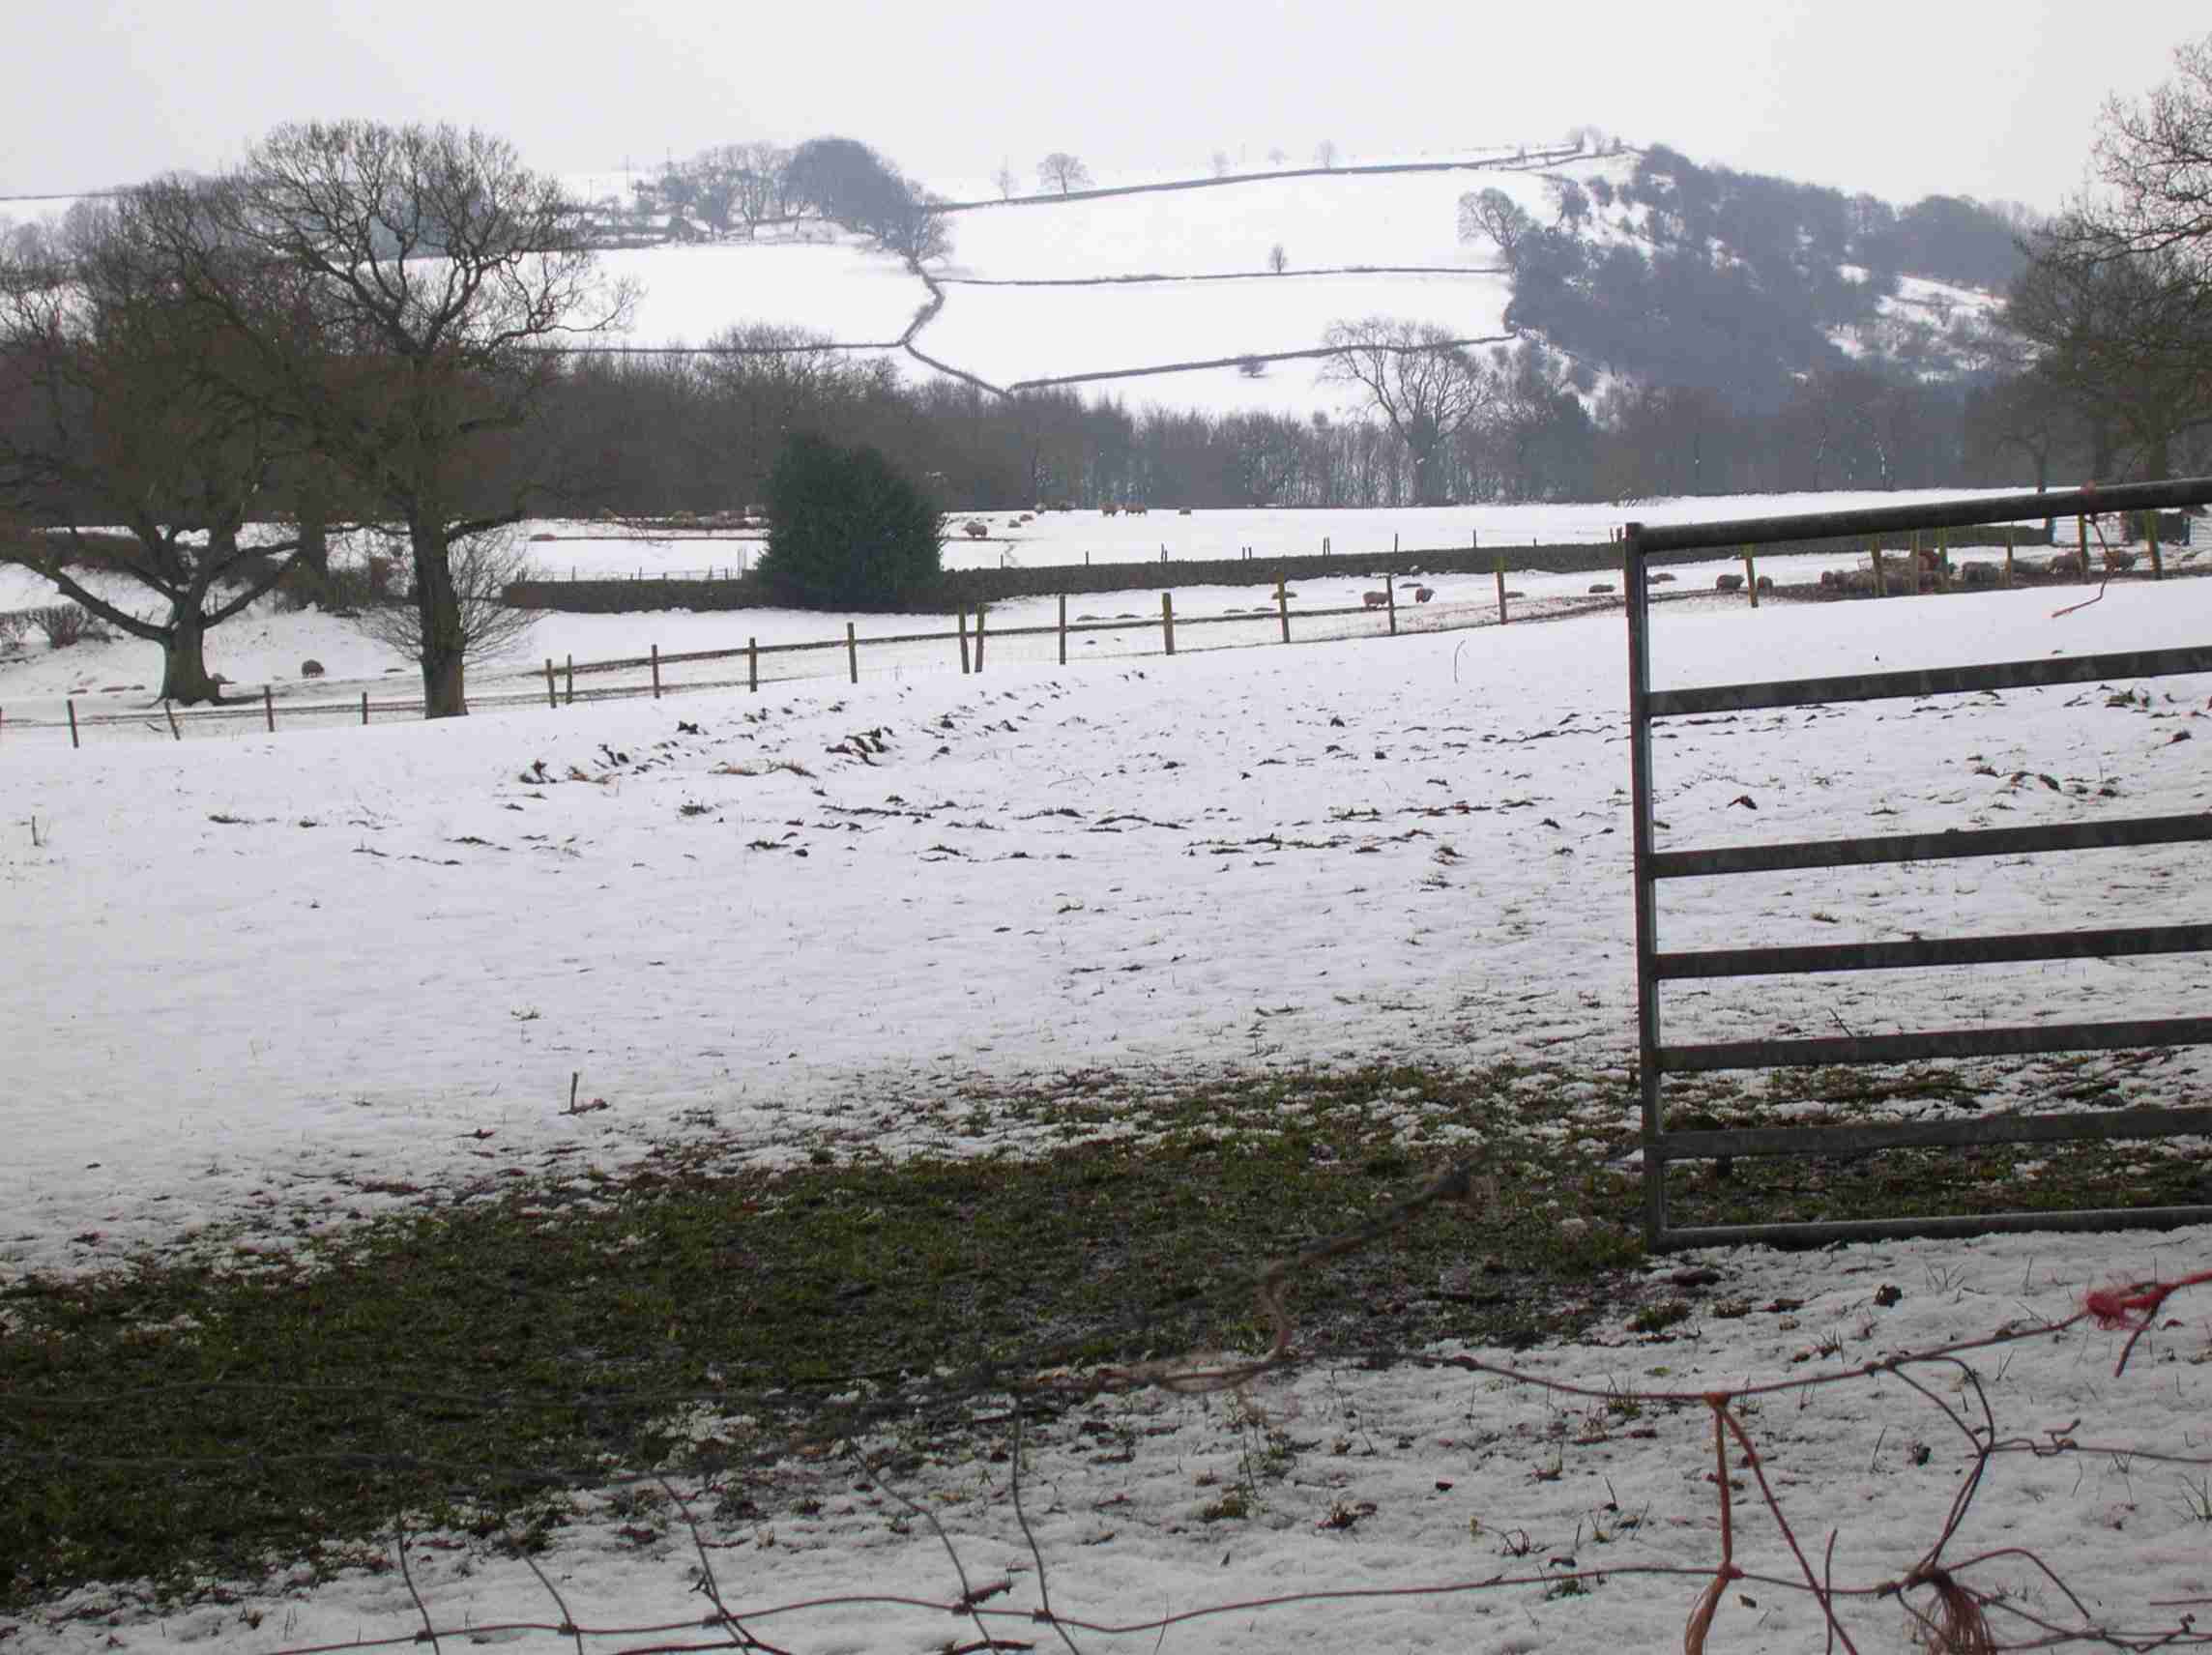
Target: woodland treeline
[[699, 432]]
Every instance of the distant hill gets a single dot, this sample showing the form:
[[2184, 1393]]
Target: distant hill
[[1213, 293]]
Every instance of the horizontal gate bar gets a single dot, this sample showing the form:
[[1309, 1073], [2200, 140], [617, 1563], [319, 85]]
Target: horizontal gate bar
[[1936, 514], [1930, 681], [1852, 1138], [1934, 1043], [2112, 943], [1931, 847], [1818, 1232]]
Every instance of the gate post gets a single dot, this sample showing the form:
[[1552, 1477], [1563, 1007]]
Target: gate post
[[1639, 607]]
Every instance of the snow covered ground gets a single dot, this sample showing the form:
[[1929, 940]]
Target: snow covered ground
[[267, 972], [1399, 230]]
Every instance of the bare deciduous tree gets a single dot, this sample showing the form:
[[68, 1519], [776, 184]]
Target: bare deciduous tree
[[1495, 216], [2122, 332], [1278, 260], [1063, 172], [1420, 381], [483, 565], [2155, 158], [113, 404], [1006, 182], [1324, 154], [433, 273]]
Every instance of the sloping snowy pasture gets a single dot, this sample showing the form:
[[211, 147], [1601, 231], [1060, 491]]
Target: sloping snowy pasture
[[335, 953], [1321, 222], [305, 975], [1326, 225], [687, 295], [1009, 333]]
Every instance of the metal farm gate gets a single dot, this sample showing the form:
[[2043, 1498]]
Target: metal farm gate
[[1655, 967]]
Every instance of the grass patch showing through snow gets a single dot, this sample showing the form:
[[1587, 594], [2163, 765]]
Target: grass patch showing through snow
[[470, 1367]]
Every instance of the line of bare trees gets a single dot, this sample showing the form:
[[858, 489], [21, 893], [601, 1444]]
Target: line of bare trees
[[348, 327], [2114, 311]]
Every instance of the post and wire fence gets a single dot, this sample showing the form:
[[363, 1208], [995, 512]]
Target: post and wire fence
[[1399, 606]]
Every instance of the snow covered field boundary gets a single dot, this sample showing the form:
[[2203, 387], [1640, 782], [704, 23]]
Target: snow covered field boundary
[[890, 657]]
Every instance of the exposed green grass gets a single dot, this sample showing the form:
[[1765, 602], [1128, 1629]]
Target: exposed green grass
[[467, 1365], [562, 1327]]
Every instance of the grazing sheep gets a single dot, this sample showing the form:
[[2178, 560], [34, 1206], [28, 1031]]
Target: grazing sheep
[[1728, 583], [1660, 577], [976, 528], [1978, 574], [1375, 600], [1422, 593], [1601, 588], [310, 669], [1109, 510], [1765, 583]]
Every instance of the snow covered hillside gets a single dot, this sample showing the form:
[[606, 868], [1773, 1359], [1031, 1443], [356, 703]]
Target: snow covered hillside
[[1106, 284]]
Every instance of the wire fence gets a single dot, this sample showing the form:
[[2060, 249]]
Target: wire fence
[[1762, 1529], [965, 649]]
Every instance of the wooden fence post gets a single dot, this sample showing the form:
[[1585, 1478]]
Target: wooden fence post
[[1167, 620], [1880, 575], [979, 612], [753, 665], [72, 723], [552, 696], [269, 708], [1751, 576], [852, 655], [1063, 628], [2082, 535], [2157, 557], [1502, 589], [1943, 560], [1390, 595], [656, 671], [571, 680], [963, 643], [364, 709], [2008, 555], [1283, 604]]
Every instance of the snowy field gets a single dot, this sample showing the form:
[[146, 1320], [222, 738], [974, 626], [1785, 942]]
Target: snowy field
[[1326, 226], [112, 681], [266, 974]]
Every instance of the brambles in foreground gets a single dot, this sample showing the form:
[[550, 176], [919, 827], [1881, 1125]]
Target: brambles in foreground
[[184, 1415]]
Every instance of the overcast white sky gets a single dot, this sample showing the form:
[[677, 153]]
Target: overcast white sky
[[1994, 99]]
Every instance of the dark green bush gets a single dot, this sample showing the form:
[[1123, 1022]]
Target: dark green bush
[[846, 529]]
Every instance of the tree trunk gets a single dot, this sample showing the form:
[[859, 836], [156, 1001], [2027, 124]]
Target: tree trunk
[[314, 531], [439, 606], [183, 660], [2158, 455]]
